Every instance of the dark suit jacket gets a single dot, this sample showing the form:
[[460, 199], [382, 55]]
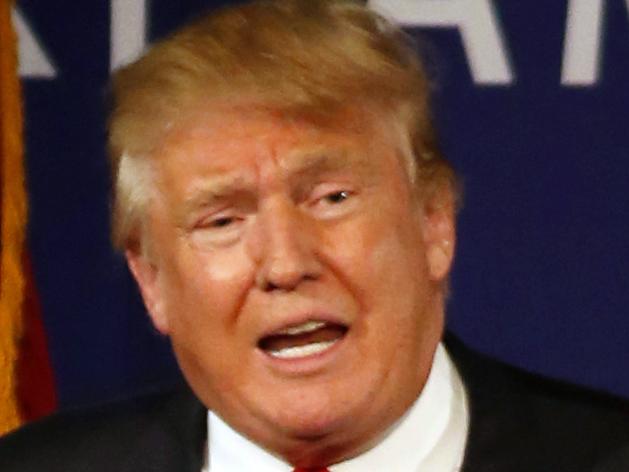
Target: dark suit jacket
[[519, 422]]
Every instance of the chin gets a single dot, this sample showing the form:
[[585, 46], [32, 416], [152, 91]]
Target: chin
[[324, 441], [310, 420], [311, 433]]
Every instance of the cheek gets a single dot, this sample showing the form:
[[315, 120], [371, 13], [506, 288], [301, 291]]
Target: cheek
[[380, 245], [205, 300], [206, 288], [380, 261], [397, 274], [381, 258]]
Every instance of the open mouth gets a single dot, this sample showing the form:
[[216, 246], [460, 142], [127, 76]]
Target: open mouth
[[302, 340]]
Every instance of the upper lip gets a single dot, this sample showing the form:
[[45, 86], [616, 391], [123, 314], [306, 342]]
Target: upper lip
[[298, 319]]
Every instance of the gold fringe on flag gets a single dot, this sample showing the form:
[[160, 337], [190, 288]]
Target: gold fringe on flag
[[12, 219]]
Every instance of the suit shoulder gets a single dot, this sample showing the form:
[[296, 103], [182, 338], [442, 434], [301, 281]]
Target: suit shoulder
[[558, 395], [564, 423], [500, 380], [91, 439]]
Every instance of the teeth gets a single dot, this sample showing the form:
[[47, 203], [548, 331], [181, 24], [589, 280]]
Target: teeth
[[306, 327], [302, 351]]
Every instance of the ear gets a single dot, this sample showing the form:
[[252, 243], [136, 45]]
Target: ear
[[439, 232], [146, 274]]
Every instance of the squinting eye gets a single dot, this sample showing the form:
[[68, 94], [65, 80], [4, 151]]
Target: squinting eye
[[219, 230], [221, 222], [337, 197]]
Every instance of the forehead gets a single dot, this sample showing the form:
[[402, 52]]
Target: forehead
[[229, 139]]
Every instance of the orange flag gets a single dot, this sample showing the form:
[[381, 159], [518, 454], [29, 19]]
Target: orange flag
[[12, 221], [27, 389]]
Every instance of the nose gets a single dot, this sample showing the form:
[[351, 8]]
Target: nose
[[285, 247]]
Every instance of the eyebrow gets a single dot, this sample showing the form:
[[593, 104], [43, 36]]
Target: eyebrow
[[298, 165], [314, 162], [213, 189]]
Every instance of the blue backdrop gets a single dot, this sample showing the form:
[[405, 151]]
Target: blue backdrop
[[532, 106]]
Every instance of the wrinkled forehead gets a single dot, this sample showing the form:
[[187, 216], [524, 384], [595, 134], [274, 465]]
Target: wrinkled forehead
[[231, 146], [226, 128]]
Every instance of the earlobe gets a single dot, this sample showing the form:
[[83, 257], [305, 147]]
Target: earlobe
[[439, 260], [439, 234], [146, 275]]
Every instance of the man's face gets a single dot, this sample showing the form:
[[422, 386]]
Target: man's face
[[297, 275]]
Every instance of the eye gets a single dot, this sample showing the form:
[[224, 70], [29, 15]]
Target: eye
[[337, 197], [332, 201], [221, 222], [218, 230]]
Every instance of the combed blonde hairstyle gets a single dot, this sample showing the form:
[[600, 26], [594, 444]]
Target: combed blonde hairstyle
[[307, 57]]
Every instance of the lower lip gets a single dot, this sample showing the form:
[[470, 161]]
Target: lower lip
[[306, 364]]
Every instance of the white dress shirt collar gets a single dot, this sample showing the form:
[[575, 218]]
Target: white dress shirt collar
[[431, 435]]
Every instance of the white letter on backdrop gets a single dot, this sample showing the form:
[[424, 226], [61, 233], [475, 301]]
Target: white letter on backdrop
[[33, 60], [478, 26], [582, 43], [128, 31]]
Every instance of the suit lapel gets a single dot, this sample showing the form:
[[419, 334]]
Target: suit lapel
[[172, 441], [502, 435]]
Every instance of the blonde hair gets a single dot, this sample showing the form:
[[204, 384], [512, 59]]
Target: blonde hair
[[307, 57]]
